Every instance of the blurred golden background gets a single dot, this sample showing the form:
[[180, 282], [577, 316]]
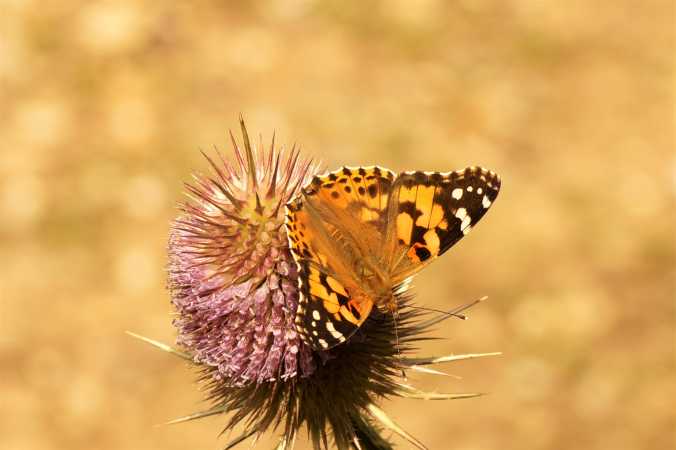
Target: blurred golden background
[[104, 106]]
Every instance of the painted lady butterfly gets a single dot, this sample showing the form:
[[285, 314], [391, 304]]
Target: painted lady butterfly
[[359, 234]]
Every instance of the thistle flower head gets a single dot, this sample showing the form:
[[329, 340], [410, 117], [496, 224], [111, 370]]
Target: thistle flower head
[[233, 283], [231, 276]]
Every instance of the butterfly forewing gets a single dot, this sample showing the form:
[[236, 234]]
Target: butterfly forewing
[[429, 212], [354, 197]]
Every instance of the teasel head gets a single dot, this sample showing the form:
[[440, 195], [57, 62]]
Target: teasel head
[[233, 283], [232, 280]]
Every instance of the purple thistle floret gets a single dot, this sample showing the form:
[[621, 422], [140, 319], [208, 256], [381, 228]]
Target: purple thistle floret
[[231, 276]]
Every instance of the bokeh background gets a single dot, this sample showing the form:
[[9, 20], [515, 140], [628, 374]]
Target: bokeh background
[[104, 106]]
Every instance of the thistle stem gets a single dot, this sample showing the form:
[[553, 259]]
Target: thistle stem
[[367, 436]]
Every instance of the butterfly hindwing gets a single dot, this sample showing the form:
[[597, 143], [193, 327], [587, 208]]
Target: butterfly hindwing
[[431, 211], [327, 315]]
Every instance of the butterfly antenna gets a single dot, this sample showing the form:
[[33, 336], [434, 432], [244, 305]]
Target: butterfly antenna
[[447, 313], [456, 312]]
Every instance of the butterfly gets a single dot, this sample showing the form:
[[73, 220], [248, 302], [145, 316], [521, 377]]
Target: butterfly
[[358, 235]]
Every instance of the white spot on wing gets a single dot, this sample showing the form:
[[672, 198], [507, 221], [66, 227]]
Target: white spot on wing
[[323, 343], [461, 214], [335, 333], [315, 315], [457, 193], [485, 202]]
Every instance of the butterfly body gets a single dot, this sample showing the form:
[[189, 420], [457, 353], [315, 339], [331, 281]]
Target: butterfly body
[[358, 234]]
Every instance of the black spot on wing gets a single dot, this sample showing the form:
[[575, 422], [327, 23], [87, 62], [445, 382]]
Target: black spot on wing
[[410, 209], [435, 179], [420, 178], [418, 233], [355, 312], [422, 253]]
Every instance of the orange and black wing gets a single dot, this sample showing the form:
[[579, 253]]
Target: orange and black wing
[[336, 221], [428, 212], [328, 314]]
